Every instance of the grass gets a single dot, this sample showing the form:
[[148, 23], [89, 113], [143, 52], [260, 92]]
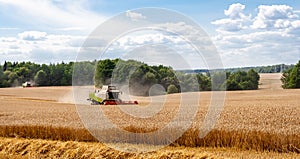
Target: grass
[[244, 140]]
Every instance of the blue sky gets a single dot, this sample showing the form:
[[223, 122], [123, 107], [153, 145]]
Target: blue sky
[[246, 33]]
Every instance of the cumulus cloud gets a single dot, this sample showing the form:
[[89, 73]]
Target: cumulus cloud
[[58, 18], [142, 38], [40, 47], [268, 17], [156, 47], [134, 16], [277, 16], [235, 11], [270, 37], [32, 35], [236, 20]]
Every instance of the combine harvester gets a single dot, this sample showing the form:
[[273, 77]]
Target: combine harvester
[[27, 84], [108, 95]]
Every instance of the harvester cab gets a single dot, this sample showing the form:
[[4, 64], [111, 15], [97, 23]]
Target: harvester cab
[[108, 95], [112, 92]]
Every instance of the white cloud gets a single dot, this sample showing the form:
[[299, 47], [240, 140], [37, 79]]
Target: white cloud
[[134, 16], [296, 24], [236, 20], [280, 23], [32, 35], [40, 47], [54, 20], [257, 48], [142, 38], [179, 34], [229, 25], [235, 11], [268, 17], [58, 14], [157, 46], [271, 37], [157, 54], [278, 16]]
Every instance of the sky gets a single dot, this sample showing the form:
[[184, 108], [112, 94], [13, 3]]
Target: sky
[[245, 33]]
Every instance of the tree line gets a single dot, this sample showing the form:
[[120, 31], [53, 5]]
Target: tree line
[[291, 77], [16, 73], [263, 69], [138, 75], [279, 68], [141, 77]]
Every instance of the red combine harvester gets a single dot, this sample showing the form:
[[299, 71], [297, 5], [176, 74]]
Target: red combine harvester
[[108, 95]]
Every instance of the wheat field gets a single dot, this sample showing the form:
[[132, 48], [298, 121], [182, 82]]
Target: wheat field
[[263, 123], [37, 148]]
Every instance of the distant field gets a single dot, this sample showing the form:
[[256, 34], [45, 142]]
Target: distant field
[[270, 81], [270, 110]]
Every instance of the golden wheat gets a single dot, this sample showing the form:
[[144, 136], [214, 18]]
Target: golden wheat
[[36, 148], [243, 140], [261, 120]]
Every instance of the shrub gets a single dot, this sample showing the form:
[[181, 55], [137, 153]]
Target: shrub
[[172, 89]]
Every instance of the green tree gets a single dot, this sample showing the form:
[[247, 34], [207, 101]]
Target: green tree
[[232, 84], [123, 70], [141, 80], [253, 77], [103, 73], [286, 78], [22, 73], [166, 76], [247, 85], [41, 78], [188, 82], [242, 80], [172, 89], [218, 80], [149, 78], [291, 77], [3, 79], [12, 78], [83, 73], [204, 82]]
